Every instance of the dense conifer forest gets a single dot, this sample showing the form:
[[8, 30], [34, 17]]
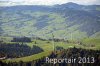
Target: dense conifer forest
[[16, 50]]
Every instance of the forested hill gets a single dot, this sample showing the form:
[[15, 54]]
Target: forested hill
[[64, 21]]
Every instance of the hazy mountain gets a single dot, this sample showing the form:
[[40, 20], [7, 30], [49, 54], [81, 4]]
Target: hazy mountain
[[68, 20]]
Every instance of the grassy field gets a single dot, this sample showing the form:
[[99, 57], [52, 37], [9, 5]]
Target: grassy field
[[96, 42]]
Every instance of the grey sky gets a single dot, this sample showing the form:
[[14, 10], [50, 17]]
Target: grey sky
[[52, 2]]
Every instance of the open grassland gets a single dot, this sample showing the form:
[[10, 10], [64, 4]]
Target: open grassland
[[96, 42]]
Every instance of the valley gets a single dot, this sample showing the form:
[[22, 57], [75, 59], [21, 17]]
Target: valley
[[30, 33]]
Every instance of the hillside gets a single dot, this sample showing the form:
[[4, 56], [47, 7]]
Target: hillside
[[30, 33], [69, 21]]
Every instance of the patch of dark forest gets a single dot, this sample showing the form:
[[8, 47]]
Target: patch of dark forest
[[17, 50]]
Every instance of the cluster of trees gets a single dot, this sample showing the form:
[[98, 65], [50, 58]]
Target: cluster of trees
[[52, 39], [18, 50], [57, 40], [21, 39], [59, 48], [71, 52]]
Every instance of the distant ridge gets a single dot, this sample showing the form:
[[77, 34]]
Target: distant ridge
[[64, 20]]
